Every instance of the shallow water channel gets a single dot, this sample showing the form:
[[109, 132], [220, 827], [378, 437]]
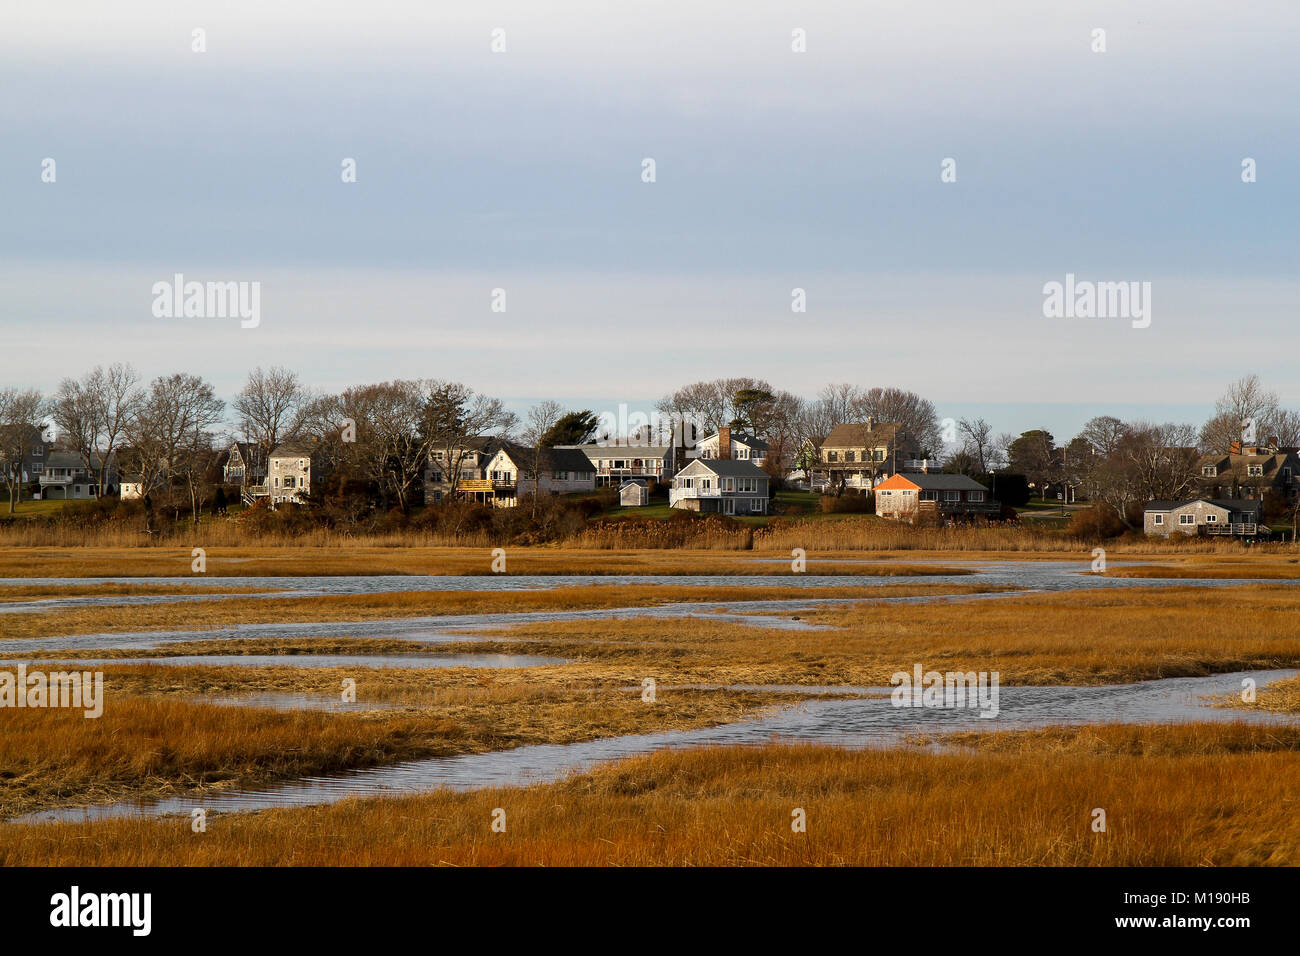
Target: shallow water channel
[[865, 721]]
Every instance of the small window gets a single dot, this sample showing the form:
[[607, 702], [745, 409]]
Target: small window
[[848, 456], [38, 451], [1211, 519], [1208, 471], [1187, 519], [1158, 519]]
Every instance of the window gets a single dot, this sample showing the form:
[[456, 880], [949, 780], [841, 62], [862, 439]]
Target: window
[[848, 456], [885, 494], [1208, 471], [832, 456], [38, 451], [929, 496], [1254, 469], [742, 452], [37, 468], [288, 481], [729, 506], [975, 496], [1158, 519], [756, 504], [1211, 519], [728, 484], [880, 454], [1187, 519], [435, 476], [952, 496]]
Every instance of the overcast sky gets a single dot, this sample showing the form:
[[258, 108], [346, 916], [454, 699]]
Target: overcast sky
[[522, 170]]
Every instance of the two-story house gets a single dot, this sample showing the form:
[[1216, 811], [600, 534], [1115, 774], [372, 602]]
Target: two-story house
[[289, 473], [1250, 472], [517, 471], [726, 443], [64, 475], [245, 464], [721, 486], [861, 454], [913, 496], [447, 468], [616, 464], [1221, 516]]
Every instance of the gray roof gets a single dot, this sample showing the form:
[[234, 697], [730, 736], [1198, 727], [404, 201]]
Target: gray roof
[[65, 459], [293, 449], [622, 451], [746, 439], [733, 468], [933, 482], [1230, 504], [552, 459]]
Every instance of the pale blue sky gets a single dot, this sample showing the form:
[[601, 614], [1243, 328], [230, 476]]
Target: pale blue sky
[[521, 170]]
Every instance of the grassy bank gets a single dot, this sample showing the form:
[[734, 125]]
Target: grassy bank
[[1173, 796]]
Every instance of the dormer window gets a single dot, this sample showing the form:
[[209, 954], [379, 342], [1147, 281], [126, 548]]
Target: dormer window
[[1208, 471], [1254, 469]]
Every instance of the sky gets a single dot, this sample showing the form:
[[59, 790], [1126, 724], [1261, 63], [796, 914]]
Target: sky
[[775, 170]]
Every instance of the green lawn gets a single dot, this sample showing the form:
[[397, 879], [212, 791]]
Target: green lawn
[[28, 508], [791, 504]]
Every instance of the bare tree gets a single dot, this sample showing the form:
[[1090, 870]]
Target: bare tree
[[540, 420], [1103, 433], [1246, 413], [977, 441], [94, 413], [915, 415], [268, 406], [163, 431], [21, 413], [454, 415]]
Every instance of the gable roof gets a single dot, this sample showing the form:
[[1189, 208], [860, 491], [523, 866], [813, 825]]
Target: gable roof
[[739, 438], [293, 449], [1228, 504], [732, 467], [551, 459], [935, 482], [859, 435]]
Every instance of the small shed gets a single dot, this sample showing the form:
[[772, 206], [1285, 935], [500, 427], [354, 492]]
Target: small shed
[[633, 494]]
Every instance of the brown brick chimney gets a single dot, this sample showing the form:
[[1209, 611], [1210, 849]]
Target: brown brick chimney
[[724, 442]]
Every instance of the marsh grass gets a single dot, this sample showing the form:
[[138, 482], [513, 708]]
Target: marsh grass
[[154, 745], [1195, 795]]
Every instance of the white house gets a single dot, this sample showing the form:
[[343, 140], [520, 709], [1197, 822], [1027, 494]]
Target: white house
[[720, 486], [737, 446], [615, 464], [450, 467], [560, 471]]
